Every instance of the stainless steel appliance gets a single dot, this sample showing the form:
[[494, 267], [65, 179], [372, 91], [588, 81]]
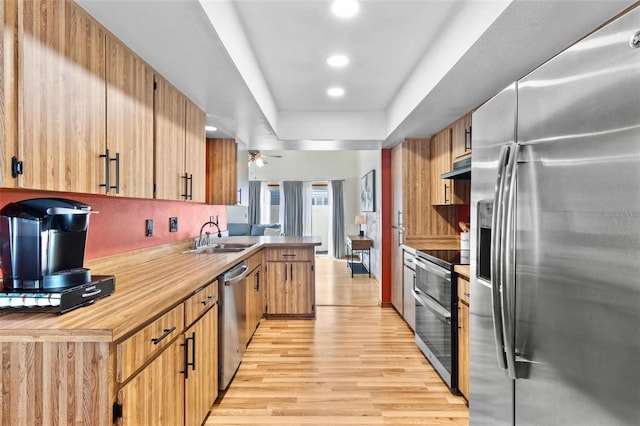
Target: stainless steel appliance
[[231, 322], [555, 297], [42, 244], [436, 328]]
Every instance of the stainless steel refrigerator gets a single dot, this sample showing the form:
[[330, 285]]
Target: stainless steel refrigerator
[[555, 286]]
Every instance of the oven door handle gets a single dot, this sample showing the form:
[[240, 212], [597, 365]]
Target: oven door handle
[[441, 272], [433, 306]]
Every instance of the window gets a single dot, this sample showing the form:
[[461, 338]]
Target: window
[[319, 195]]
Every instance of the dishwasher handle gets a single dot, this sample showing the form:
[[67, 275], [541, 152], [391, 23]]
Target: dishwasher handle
[[236, 274]]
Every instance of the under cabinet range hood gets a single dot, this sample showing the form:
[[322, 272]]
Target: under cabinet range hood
[[461, 170]]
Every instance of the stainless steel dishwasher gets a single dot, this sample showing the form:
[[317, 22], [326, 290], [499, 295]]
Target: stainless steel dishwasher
[[231, 322]]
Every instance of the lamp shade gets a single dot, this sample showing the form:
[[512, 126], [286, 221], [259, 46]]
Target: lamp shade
[[361, 219]]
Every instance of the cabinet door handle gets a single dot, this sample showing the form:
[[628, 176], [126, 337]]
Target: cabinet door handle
[[258, 281], [193, 351], [289, 255], [186, 178], [291, 271], [117, 160], [446, 201], [167, 331], [467, 136], [208, 300], [285, 272], [107, 160], [191, 186], [185, 345]]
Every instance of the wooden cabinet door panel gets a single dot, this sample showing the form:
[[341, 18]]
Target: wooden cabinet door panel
[[300, 296], [195, 151], [463, 348], [169, 107], [61, 118], [222, 171], [277, 288], [201, 385], [130, 120], [156, 395], [461, 137], [441, 163]]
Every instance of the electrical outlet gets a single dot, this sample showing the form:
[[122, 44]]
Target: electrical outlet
[[173, 224], [149, 232]]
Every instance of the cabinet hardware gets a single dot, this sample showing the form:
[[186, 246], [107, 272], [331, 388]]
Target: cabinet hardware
[[467, 137], [285, 272], [106, 170], [446, 201], [188, 184], [292, 272], [185, 345], [289, 255], [167, 331], [258, 281], [16, 167], [117, 160], [117, 412], [207, 300], [193, 351]]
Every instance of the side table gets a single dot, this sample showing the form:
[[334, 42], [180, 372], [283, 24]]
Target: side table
[[356, 243]]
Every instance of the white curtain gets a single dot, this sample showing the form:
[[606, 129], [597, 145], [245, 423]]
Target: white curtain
[[265, 203]]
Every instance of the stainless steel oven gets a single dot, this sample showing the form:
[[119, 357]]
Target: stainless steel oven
[[436, 323]]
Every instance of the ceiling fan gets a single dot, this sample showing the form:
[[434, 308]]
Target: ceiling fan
[[258, 159]]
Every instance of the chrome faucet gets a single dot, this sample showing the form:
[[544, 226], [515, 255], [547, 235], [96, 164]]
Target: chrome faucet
[[198, 242]]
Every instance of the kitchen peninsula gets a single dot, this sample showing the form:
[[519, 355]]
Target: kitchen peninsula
[[84, 366]]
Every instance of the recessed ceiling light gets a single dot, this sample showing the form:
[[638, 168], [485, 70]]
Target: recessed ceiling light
[[335, 92], [345, 8], [337, 60], [210, 128]]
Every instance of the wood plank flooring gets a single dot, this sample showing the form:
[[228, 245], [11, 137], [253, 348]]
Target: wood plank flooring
[[335, 287], [353, 365]]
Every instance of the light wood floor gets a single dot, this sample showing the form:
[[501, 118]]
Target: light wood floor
[[335, 287], [353, 365]]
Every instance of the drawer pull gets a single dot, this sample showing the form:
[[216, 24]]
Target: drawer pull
[[207, 300], [466, 294], [289, 255], [167, 331]]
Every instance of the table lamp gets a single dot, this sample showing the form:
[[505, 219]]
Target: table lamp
[[361, 220]]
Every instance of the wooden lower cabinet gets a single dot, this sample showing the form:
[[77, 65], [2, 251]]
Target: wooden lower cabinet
[[255, 305], [179, 386], [201, 380], [156, 395], [290, 285], [463, 337]]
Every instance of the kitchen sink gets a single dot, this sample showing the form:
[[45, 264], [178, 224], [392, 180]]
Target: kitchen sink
[[220, 248]]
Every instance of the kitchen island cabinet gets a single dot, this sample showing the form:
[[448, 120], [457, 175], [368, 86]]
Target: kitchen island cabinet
[[76, 369], [290, 282]]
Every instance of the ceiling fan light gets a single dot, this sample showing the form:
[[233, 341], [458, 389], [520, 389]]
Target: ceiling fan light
[[345, 8], [335, 92], [210, 128], [337, 60], [259, 162]]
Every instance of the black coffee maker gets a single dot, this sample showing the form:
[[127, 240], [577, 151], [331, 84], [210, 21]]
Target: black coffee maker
[[42, 243]]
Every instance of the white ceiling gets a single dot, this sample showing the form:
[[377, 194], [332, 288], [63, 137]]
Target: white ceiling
[[257, 67]]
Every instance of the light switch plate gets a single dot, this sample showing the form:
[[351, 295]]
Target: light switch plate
[[149, 232]]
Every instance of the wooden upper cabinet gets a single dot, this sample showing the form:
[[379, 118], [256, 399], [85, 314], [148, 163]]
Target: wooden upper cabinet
[[180, 145], [445, 191], [441, 163], [461, 137], [129, 123], [8, 91], [61, 102], [195, 151], [222, 171], [416, 168]]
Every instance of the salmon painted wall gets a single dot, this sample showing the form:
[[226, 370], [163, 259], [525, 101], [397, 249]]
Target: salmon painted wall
[[120, 224]]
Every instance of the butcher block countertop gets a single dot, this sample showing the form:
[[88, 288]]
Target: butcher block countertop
[[149, 282]]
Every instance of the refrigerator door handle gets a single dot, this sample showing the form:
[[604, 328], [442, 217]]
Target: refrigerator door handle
[[496, 256], [508, 267]]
